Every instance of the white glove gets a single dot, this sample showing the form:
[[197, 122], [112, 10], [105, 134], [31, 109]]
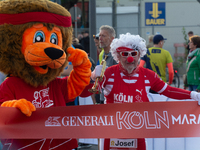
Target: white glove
[[196, 96], [97, 72]]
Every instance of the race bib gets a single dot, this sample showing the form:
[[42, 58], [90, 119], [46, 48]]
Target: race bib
[[123, 143]]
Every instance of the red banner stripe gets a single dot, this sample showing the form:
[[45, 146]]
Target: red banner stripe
[[130, 120]]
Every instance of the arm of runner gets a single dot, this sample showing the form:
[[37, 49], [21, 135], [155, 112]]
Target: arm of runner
[[175, 93], [170, 72], [178, 93], [67, 70], [163, 88], [142, 62]]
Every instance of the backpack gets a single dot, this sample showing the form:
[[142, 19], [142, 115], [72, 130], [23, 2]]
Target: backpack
[[93, 63]]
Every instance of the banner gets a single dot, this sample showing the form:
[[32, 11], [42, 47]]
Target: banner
[[127, 120]]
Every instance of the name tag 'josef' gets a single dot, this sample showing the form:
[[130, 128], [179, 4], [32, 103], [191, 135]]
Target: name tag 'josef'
[[123, 143]]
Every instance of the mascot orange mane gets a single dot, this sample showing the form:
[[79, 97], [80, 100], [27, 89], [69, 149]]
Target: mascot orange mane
[[35, 40]]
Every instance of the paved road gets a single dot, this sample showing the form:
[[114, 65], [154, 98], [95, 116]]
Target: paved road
[[93, 147]]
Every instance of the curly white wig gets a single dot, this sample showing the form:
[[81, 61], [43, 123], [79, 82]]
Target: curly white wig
[[130, 41]]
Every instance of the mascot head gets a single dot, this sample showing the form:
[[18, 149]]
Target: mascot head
[[34, 37]]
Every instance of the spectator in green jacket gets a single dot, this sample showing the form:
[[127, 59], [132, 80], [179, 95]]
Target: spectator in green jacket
[[193, 65]]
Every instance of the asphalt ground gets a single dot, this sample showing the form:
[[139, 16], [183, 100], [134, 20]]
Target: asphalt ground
[[93, 147]]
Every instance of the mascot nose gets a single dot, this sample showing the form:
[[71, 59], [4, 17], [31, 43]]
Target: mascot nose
[[53, 53]]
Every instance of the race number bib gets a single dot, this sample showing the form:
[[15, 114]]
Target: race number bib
[[123, 143]]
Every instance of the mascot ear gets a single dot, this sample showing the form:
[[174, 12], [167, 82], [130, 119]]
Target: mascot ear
[[25, 106]]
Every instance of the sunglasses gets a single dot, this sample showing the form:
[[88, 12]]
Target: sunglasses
[[132, 53]]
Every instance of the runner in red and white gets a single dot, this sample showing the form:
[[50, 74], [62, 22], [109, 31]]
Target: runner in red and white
[[126, 82]]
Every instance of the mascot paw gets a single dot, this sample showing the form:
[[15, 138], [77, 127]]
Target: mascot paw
[[80, 75], [77, 56], [25, 106]]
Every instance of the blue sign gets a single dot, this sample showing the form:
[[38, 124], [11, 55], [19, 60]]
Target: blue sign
[[155, 14]]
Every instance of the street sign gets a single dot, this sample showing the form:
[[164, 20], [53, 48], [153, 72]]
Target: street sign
[[155, 14]]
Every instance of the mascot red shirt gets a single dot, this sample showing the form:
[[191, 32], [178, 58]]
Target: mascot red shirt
[[34, 50]]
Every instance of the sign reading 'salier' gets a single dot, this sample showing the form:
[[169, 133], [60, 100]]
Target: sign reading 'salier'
[[155, 14]]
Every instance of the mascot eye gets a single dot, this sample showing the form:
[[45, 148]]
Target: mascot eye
[[54, 38], [39, 37]]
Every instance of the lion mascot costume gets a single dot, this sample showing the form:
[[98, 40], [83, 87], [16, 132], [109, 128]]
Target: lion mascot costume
[[35, 40]]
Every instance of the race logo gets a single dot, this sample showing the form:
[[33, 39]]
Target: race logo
[[138, 98], [42, 99], [52, 121]]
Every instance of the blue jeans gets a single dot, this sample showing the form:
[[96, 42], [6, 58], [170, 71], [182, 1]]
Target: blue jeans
[[192, 87]]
